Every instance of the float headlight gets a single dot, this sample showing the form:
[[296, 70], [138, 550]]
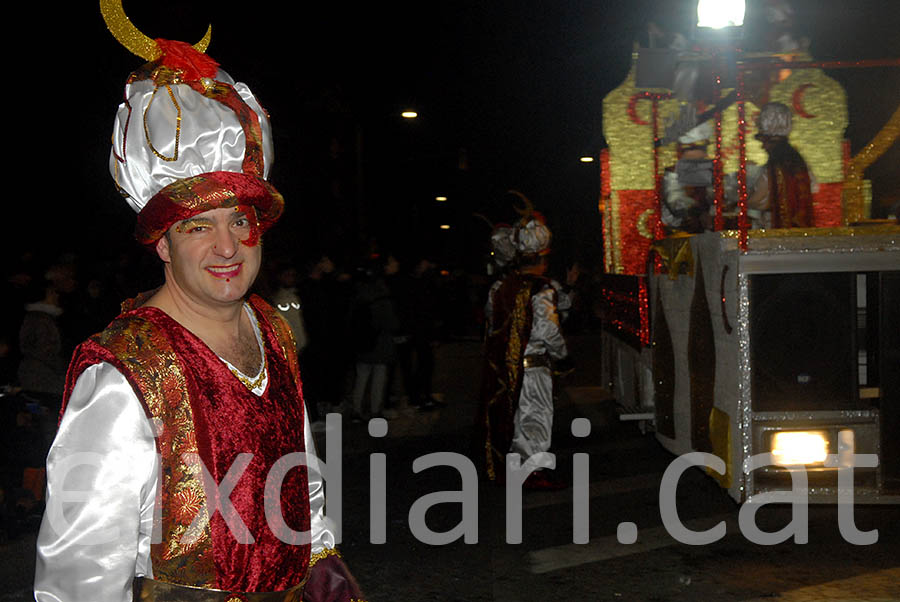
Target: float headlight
[[791, 448]]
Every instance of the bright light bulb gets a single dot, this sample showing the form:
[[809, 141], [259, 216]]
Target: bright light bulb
[[409, 114], [799, 447], [717, 14]]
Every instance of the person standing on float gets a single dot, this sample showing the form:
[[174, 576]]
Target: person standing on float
[[785, 186]]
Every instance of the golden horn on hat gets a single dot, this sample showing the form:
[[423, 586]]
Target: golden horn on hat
[[487, 221], [131, 37], [528, 211]]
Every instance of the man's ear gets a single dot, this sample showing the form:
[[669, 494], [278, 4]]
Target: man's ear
[[162, 249]]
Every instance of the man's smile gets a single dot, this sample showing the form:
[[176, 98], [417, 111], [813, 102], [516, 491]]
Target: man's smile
[[225, 271]]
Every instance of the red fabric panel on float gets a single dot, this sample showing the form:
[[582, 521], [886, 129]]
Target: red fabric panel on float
[[638, 214], [827, 208]]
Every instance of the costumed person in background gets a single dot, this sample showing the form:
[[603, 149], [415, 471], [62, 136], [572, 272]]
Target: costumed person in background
[[688, 193], [523, 339], [177, 418], [784, 188], [504, 255]]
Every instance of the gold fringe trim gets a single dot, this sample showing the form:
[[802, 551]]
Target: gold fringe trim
[[314, 558]]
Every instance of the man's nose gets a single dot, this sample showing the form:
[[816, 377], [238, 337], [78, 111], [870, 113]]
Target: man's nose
[[226, 242]]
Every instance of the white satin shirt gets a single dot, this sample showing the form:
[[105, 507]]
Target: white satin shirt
[[102, 479]]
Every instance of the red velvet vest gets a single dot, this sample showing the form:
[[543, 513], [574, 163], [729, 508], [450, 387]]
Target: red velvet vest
[[200, 407]]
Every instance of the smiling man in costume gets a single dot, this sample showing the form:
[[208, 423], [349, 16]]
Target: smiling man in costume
[[175, 472]]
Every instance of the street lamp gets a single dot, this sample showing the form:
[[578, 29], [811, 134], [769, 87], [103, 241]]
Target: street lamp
[[440, 198], [409, 114], [586, 159], [718, 14]]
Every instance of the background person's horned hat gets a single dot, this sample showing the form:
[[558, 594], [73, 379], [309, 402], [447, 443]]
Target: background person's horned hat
[[531, 235], [187, 137]]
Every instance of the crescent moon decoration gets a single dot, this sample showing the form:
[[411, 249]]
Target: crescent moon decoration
[[129, 36], [641, 225], [797, 101], [632, 109]]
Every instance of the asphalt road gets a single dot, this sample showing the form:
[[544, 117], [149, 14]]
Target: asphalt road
[[625, 469]]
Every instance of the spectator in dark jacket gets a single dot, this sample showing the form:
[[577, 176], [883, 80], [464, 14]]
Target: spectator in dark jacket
[[374, 324], [42, 368]]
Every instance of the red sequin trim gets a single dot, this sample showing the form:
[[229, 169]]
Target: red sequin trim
[[187, 197]]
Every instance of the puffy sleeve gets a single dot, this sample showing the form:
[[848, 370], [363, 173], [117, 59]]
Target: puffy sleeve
[[563, 299], [330, 580], [102, 475], [322, 529], [546, 335]]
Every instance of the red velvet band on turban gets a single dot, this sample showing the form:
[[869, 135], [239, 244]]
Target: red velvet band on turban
[[187, 197]]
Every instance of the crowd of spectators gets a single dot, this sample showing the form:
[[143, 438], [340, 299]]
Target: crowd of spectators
[[366, 333]]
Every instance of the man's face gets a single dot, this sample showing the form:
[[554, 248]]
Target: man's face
[[213, 257]]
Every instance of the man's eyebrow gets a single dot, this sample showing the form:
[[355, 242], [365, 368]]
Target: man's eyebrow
[[195, 221]]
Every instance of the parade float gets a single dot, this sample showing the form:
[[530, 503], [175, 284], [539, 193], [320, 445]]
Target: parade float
[[740, 341]]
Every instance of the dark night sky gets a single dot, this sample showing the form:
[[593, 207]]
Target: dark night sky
[[517, 84]]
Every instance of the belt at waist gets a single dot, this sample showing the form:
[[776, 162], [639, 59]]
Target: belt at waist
[[151, 590], [537, 361]]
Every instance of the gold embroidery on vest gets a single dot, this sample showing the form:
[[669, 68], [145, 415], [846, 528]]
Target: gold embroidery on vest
[[148, 354]]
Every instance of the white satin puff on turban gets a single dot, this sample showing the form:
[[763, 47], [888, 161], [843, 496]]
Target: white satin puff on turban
[[533, 238], [209, 137]]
